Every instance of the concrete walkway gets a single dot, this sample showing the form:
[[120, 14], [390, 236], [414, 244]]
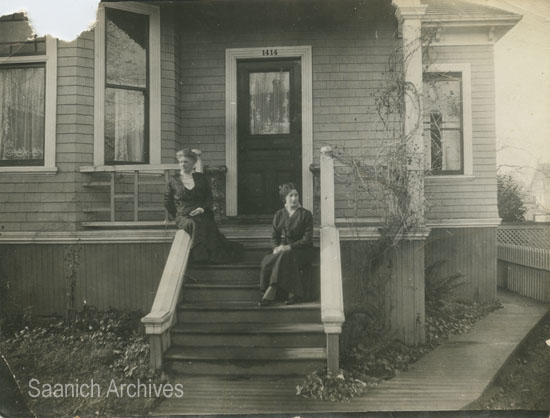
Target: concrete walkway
[[448, 378]]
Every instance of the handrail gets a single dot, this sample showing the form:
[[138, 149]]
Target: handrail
[[135, 170], [332, 299], [163, 312]]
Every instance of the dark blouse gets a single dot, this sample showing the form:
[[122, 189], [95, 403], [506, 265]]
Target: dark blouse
[[295, 230], [179, 200]]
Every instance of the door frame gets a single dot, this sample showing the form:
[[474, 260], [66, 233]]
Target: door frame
[[268, 52]]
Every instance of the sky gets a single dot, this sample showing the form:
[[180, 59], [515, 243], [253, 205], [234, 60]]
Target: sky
[[522, 71]]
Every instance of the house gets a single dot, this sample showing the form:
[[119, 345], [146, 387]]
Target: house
[[89, 131]]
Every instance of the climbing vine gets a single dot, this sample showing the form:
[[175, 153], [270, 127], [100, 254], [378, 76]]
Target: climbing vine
[[389, 183]]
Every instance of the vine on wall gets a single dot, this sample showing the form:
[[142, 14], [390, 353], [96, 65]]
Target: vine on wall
[[392, 180]]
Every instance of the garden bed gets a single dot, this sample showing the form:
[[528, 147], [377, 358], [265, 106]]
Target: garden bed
[[371, 355], [94, 358]]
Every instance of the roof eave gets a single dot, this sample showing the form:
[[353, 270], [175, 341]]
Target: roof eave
[[429, 21]]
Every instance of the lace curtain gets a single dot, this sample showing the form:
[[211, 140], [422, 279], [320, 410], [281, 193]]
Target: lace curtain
[[22, 113]]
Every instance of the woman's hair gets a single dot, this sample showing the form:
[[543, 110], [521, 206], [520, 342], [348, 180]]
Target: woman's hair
[[187, 152], [285, 189]]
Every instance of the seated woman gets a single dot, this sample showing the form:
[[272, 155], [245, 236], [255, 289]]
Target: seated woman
[[188, 199], [292, 241]]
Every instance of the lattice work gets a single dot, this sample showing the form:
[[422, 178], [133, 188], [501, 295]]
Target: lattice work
[[526, 235]]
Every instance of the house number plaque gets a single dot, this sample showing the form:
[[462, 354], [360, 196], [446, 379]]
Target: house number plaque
[[269, 52]]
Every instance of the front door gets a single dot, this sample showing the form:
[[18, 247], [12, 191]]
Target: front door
[[269, 125]]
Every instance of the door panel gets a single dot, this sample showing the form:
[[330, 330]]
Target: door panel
[[269, 132]]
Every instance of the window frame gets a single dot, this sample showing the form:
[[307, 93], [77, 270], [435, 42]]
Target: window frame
[[49, 61], [153, 95], [464, 69]]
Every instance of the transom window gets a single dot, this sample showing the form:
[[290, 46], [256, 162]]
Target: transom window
[[443, 122]]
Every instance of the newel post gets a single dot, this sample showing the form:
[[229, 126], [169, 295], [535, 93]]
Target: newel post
[[332, 301], [327, 187]]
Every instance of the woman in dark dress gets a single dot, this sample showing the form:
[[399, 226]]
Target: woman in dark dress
[[188, 199], [292, 242]]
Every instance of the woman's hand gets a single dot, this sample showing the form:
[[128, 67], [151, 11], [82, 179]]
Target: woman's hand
[[196, 211], [281, 248]]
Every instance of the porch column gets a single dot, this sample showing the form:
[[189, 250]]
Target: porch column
[[409, 14]]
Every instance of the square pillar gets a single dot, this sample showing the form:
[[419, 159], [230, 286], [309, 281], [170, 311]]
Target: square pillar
[[409, 14]]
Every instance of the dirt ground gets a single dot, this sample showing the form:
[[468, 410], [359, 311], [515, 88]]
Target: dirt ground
[[524, 381]]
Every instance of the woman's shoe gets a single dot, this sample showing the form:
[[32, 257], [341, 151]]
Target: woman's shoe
[[266, 302], [292, 300]]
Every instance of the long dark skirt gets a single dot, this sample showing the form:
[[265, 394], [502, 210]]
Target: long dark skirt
[[283, 270], [209, 244]]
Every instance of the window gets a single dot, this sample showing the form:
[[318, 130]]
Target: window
[[269, 103], [447, 120], [127, 106], [27, 105]]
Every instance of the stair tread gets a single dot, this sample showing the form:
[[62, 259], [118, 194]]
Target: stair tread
[[245, 353], [248, 306], [221, 286], [223, 266], [231, 266], [247, 328]]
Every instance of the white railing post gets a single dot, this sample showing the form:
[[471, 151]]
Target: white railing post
[[332, 299], [327, 187]]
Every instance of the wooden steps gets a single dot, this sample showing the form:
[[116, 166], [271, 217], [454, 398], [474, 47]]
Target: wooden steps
[[248, 312], [245, 361], [221, 292], [250, 334], [221, 330]]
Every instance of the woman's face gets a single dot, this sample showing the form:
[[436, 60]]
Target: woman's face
[[293, 199], [186, 163]]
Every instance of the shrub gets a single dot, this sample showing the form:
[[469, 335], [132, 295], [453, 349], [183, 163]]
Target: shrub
[[509, 197], [439, 287]]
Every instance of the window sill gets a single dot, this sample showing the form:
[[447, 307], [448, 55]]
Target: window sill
[[27, 170], [128, 168]]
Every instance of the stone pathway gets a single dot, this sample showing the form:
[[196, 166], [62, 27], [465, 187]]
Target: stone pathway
[[448, 378]]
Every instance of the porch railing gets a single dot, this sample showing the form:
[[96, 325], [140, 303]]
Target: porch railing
[[127, 184], [332, 300]]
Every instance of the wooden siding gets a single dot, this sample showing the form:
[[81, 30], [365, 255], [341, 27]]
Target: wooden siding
[[525, 270], [37, 202], [349, 55], [470, 251], [401, 298], [468, 198], [169, 97], [124, 276]]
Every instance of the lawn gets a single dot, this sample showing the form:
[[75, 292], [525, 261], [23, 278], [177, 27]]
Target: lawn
[[524, 381]]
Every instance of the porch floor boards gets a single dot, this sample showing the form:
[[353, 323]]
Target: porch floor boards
[[448, 378]]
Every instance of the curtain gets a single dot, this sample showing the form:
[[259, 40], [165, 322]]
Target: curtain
[[129, 132], [269, 103], [22, 113], [124, 125]]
